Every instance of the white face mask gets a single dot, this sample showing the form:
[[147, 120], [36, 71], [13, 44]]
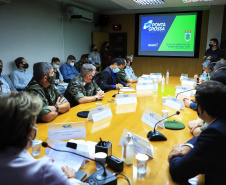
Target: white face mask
[[72, 64], [56, 66]]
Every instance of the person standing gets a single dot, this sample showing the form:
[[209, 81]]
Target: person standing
[[95, 57]]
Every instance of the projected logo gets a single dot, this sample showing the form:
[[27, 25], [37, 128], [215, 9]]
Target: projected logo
[[154, 27], [187, 35]]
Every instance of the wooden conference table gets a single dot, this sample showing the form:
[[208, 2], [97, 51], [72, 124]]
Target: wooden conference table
[[129, 117]]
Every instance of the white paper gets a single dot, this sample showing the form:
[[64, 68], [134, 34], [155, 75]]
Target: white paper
[[181, 90], [151, 118], [141, 145], [188, 83], [99, 113], [65, 158], [176, 100], [145, 80], [121, 99], [66, 131], [172, 104], [144, 86]]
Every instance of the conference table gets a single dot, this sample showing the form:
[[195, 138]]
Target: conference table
[[129, 117]]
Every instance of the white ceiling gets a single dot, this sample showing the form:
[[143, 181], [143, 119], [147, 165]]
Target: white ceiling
[[129, 6]]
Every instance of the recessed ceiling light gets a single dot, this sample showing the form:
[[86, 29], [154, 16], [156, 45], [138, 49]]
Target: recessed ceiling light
[[149, 2], [193, 1]]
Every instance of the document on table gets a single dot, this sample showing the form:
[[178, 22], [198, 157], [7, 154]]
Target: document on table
[[127, 89], [125, 98], [99, 113], [65, 158]]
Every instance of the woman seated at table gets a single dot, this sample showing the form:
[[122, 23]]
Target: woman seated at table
[[18, 125]]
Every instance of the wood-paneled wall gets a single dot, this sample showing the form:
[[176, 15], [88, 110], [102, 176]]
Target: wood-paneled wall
[[145, 65]]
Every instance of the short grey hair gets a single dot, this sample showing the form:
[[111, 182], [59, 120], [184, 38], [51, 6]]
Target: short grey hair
[[41, 69], [220, 64], [129, 58], [208, 65], [87, 69]]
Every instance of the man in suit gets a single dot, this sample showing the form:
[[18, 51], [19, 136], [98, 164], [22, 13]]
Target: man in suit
[[6, 85], [109, 79], [204, 154]]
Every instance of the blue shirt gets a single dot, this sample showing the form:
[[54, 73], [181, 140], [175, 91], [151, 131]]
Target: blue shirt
[[68, 71], [112, 75], [20, 79], [5, 87], [129, 72]]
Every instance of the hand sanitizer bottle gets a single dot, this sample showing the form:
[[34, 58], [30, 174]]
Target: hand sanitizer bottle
[[163, 80], [128, 150], [167, 74]]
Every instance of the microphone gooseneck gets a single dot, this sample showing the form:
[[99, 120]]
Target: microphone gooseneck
[[184, 91], [45, 145]]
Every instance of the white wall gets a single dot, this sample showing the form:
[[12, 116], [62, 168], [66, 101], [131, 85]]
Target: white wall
[[35, 30], [215, 23]]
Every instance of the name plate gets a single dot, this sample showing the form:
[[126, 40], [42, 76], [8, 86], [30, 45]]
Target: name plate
[[141, 145], [145, 76], [151, 118], [188, 82], [99, 113], [145, 80], [174, 103], [66, 131], [121, 99], [144, 86], [181, 90], [127, 89], [157, 76]]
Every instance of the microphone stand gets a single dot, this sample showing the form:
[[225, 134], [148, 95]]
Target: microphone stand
[[105, 178], [184, 91], [116, 93], [157, 136]]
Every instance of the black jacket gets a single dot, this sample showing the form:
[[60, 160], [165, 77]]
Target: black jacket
[[106, 81]]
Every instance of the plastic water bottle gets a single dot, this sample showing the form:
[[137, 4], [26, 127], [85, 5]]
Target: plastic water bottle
[[128, 150], [155, 85], [167, 74], [163, 80]]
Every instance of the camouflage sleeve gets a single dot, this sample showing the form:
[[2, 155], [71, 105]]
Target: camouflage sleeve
[[96, 86], [75, 90], [45, 105], [122, 75], [58, 94]]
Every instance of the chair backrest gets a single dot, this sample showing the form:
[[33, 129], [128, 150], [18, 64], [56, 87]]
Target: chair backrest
[[97, 77]]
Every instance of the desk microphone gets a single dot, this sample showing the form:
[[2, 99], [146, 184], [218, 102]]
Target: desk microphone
[[157, 136], [184, 91], [115, 94], [100, 177]]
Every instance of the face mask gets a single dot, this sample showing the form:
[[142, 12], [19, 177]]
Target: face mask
[[95, 50], [72, 64], [26, 66], [51, 79], [36, 130], [116, 70], [0, 70], [56, 66], [90, 59], [210, 45], [124, 67]]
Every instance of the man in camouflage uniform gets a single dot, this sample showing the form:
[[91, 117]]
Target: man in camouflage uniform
[[122, 75], [43, 86], [82, 88], [84, 60]]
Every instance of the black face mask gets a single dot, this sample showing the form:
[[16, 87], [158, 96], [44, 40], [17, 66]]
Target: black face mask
[[210, 45], [26, 66], [124, 67], [95, 50], [0, 70], [51, 79]]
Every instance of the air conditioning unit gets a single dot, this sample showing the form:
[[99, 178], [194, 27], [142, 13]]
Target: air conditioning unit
[[79, 14], [4, 1]]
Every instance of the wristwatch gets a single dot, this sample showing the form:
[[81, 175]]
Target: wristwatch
[[96, 97], [188, 144], [57, 108]]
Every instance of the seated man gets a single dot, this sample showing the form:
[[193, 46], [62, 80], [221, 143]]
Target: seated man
[[208, 68], [6, 85], [109, 79], [21, 77], [204, 154], [68, 70], [129, 70], [122, 75], [85, 59], [43, 86], [59, 78], [82, 88]]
